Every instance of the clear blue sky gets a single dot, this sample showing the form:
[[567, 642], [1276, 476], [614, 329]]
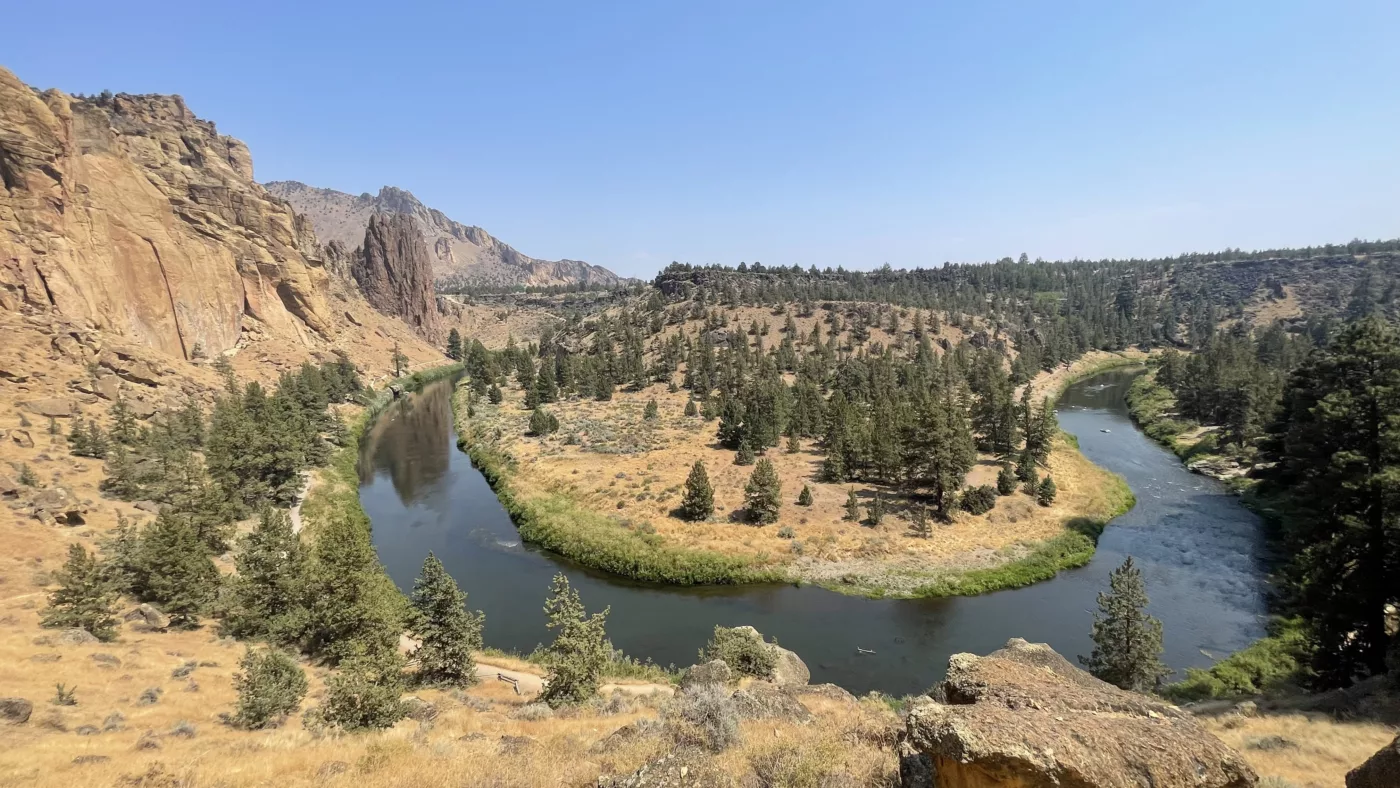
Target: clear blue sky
[[807, 132]]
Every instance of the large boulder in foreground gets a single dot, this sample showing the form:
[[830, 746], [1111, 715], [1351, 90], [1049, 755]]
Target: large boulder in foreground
[[1381, 770], [1024, 716]]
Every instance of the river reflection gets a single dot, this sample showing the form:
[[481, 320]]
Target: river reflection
[[1199, 550]]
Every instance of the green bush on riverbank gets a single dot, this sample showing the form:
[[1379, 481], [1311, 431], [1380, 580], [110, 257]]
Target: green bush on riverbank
[[1266, 664]]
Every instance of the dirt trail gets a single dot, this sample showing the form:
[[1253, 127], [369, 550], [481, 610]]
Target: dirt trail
[[532, 684]]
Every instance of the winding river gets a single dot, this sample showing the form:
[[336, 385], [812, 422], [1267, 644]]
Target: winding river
[[1199, 550]]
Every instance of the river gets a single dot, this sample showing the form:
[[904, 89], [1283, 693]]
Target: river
[[1199, 550]]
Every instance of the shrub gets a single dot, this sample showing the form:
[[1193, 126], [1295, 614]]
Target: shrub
[[690, 409], [270, 687], [64, 696], [743, 650], [651, 413], [1006, 480], [27, 476], [786, 532], [711, 710], [804, 498], [1261, 666], [542, 422], [363, 695], [979, 500]]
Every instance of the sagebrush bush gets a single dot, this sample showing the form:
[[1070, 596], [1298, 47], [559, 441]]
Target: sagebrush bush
[[710, 709], [742, 650], [270, 687]]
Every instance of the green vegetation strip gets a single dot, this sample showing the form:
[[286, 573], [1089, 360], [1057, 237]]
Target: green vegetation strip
[[560, 525]]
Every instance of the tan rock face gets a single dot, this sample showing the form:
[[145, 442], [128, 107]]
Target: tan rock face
[[1024, 717], [1381, 770], [136, 217]]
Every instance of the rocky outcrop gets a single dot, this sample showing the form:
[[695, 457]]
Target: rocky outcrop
[[461, 254], [130, 214], [395, 274], [1381, 770], [789, 669], [1024, 716]]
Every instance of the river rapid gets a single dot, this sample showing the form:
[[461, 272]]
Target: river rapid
[[1200, 552]]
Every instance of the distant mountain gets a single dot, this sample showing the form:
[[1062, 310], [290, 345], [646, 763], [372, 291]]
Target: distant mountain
[[462, 254]]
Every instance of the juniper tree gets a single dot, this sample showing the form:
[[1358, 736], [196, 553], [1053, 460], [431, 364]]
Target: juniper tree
[[175, 570], [354, 608], [804, 498], [650, 413], [852, 506], [580, 649], [494, 395], [398, 360], [454, 345], [698, 501], [1045, 493], [876, 509], [124, 429], [542, 422], [120, 475], [690, 409], [920, 524], [447, 631], [84, 598], [1006, 480], [270, 686], [745, 455], [545, 389], [267, 596], [1127, 641], [364, 693], [763, 493]]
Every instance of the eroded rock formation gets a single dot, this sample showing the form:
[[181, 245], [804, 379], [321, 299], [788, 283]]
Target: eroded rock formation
[[395, 273], [461, 254], [1381, 770], [130, 214], [1023, 716]]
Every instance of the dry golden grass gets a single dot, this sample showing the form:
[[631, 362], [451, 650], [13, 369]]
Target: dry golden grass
[[1317, 751]]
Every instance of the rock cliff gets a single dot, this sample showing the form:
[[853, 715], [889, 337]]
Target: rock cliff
[[131, 215], [462, 254], [395, 273], [1023, 716]]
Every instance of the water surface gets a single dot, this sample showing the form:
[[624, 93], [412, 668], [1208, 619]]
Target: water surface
[[1199, 550]]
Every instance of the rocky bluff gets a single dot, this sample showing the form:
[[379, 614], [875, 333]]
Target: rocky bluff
[[132, 215], [395, 272]]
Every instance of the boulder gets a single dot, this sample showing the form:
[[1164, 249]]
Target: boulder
[[765, 701], [1381, 770], [1024, 716], [790, 670], [679, 769], [148, 615], [75, 637], [15, 711], [142, 409], [8, 487], [108, 387], [716, 671], [60, 504], [55, 407]]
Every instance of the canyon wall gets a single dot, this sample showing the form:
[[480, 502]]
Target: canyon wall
[[129, 214]]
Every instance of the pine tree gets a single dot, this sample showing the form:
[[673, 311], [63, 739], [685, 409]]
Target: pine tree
[[494, 395], [745, 455], [1032, 485], [454, 345], [1127, 641], [1045, 493], [698, 502], [267, 594], [921, 526], [270, 686], [176, 572], [690, 409], [365, 693], [120, 474], [354, 608], [124, 430], [447, 631], [580, 649], [545, 389], [876, 509], [542, 422], [852, 506], [1006, 480], [398, 361], [763, 495], [84, 598], [793, 444], [804, 498], [650, 413]]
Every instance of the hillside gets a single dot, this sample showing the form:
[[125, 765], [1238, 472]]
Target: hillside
[[462, 255]]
